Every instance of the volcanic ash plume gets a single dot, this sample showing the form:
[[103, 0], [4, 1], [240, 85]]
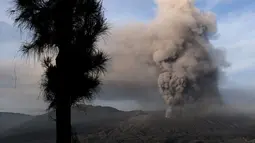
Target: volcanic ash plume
[[174, 47]]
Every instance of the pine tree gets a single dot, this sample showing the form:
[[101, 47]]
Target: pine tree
[[68, 30]]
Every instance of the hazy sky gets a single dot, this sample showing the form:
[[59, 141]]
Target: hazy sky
[[237, 36]]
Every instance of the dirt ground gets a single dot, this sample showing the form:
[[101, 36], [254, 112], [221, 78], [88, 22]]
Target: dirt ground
[[154, 128]]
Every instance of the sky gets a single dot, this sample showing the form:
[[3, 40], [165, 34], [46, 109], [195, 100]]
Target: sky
[[236, 36]]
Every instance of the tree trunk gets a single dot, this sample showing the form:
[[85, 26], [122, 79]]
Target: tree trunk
[[63, 105], [63, 119], [64, 26]]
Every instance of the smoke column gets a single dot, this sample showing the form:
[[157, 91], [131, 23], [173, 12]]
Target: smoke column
[[173, 50]]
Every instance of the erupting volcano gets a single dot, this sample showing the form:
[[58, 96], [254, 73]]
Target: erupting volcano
[[173, 50]]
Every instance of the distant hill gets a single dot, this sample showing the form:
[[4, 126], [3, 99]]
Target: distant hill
[[105, 124], [240, 96], [10, 120], [84, 120]]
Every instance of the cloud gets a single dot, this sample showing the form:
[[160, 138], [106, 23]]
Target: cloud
[[4, 5], [210, 4], [25, 71], [8, 33], [25, 95], [237, 37], [119, 12]]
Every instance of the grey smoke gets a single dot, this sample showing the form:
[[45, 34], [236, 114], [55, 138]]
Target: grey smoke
[[173, 49]]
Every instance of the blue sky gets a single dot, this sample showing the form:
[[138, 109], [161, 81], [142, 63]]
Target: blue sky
[[236, 19]]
